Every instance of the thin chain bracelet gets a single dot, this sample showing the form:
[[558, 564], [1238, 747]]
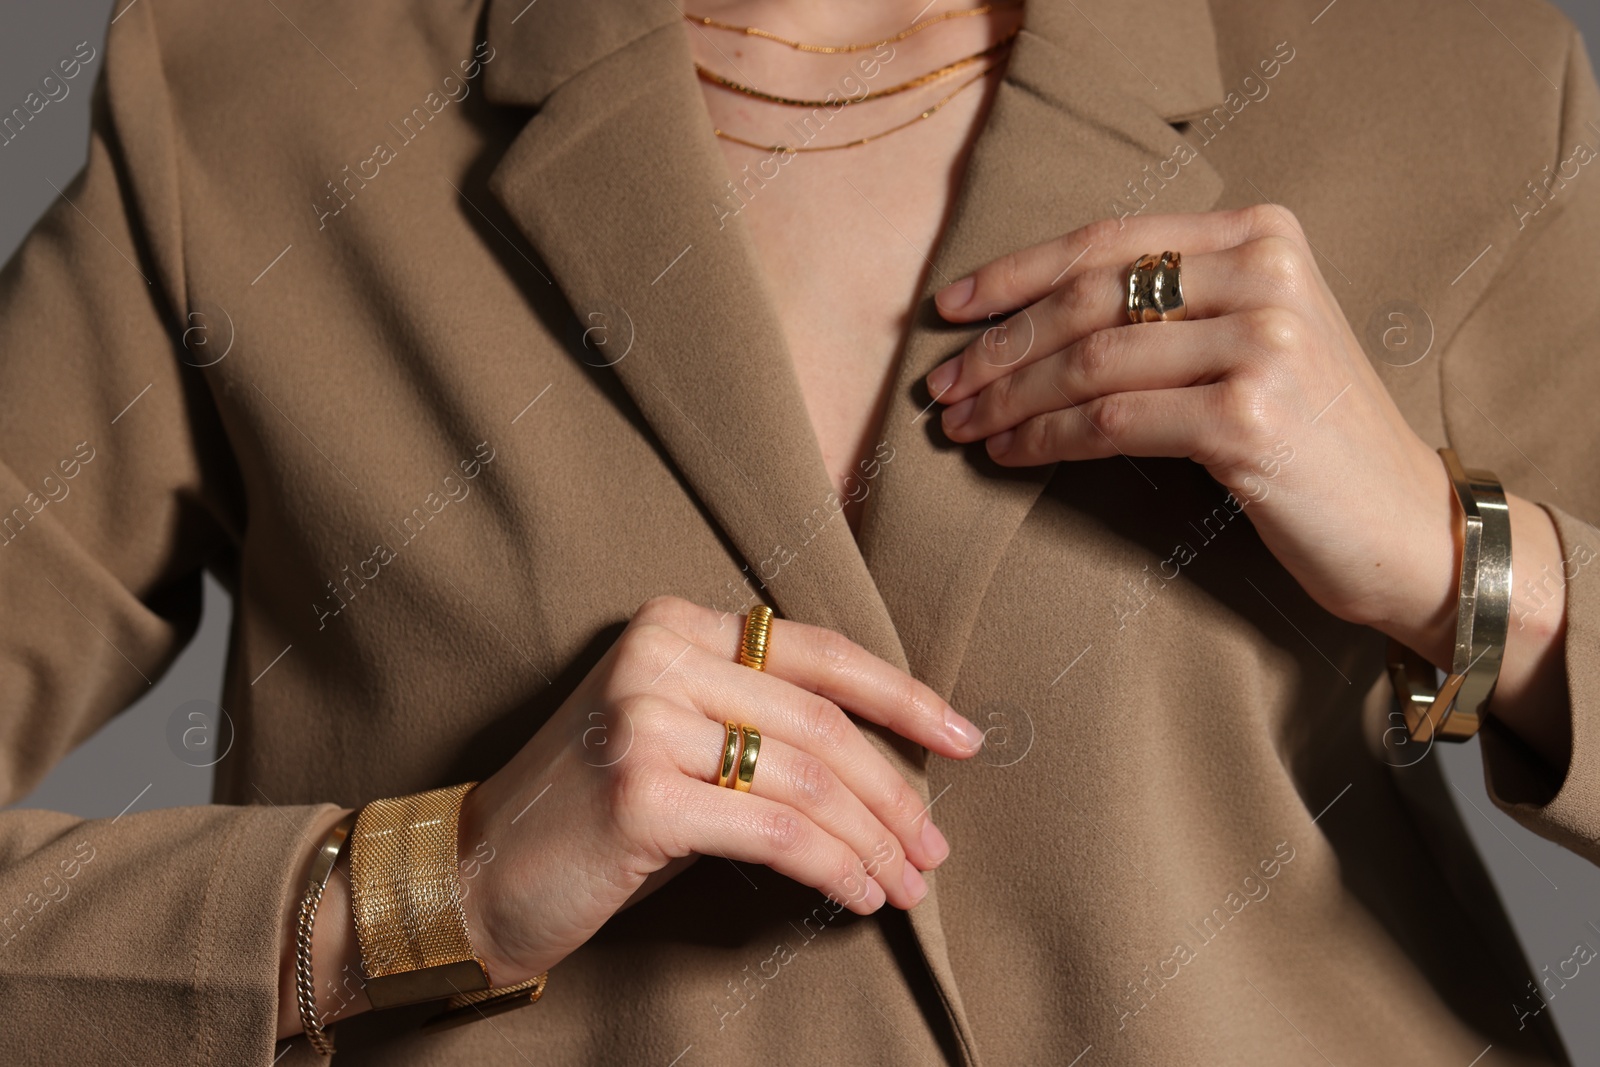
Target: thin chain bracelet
[[316, 881]]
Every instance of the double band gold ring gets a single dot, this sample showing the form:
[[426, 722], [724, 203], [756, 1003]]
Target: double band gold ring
[[741, 747]]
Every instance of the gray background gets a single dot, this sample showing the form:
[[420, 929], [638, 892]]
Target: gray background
[[1553, 895]]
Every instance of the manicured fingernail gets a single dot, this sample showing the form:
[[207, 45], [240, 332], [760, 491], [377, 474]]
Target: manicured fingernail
[[916, 885], [1000, 443], [875, 895], [944, 376], [934, 843], [954, 296], [956, 414], [962, 732]]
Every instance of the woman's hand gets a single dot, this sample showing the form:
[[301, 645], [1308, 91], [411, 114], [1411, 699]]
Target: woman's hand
[[619, 785], [1263, 384]]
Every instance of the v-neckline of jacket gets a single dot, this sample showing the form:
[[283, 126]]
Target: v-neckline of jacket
[[613, 180]]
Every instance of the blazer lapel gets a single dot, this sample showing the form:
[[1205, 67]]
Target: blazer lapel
[[616, 181]]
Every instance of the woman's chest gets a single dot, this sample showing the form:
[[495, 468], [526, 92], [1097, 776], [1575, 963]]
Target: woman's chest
[[845, 252], [846, 241]]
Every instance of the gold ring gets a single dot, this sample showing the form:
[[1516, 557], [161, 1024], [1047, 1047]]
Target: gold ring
[[753, 645], [730, 755], [1155, 288], [747, 759]]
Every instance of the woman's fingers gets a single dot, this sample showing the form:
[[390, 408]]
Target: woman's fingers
[[1024, 277], [716, 821], [811, 724], [1155, 422], [830, 665], [1094, 299], [1158, 356], [809, 785]]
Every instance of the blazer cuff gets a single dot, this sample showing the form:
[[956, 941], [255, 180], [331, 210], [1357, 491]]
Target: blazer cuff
[[157, 935]]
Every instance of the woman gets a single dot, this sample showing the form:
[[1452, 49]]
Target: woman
[[581, 355]]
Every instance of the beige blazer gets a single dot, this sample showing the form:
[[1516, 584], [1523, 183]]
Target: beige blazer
[[434, 330]]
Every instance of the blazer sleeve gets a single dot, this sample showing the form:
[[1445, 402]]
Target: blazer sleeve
[[1520, 387], [151, 937]]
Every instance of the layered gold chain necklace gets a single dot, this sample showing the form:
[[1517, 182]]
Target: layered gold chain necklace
[[836, 49], [725, 135], [844, 101], [836, 101]]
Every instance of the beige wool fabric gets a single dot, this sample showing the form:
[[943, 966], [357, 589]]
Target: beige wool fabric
[[420, 469]]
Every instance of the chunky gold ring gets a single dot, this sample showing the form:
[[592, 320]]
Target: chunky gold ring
[[730, 755], [753, 645], [1155, 288], [747, 759]]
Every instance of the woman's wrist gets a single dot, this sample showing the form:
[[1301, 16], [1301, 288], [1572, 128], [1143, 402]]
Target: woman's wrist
[[1426, 591], [340, 984], [1530, 697], [477, 894]]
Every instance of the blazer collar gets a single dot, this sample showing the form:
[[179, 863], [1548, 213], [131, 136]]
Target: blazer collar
[[615, 182], [1168, 63]]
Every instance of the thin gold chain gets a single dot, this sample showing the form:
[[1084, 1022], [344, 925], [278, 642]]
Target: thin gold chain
[[835, 49], [915, 83], [863, 140]]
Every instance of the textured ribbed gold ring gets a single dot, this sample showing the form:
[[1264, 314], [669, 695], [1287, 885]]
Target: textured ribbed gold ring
[[1155, 288], [747, 759], [753, 645]]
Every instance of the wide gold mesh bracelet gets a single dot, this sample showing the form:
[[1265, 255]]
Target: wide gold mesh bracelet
[[406, 895]]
